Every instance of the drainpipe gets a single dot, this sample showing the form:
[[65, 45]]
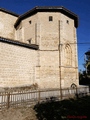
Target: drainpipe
[[59, 47]]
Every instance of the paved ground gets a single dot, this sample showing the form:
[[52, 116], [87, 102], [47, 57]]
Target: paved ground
[[18, 114]]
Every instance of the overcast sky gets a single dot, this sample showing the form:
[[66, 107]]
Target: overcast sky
[[79, 7]]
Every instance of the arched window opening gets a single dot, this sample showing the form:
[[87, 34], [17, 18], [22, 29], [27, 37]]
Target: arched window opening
[[68, 55]]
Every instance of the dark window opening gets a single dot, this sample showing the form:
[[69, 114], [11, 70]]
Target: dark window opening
[[67, 21], [50, 18], [30, 21]]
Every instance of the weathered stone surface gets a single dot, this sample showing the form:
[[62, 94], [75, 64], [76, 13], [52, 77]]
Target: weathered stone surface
[[54, 65], [17, 65], [7, 29]]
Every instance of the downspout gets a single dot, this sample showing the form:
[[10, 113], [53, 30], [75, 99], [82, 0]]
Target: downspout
[[59, 47]]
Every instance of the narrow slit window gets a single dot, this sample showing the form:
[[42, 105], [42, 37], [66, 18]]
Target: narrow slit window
[[67, 21], [50, 18], [30, 21]]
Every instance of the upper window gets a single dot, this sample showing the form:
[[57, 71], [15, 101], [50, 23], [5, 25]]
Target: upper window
[[67, 21], [30, 21], [50, 18]]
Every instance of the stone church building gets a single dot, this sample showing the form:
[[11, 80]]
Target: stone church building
[[39, 47]]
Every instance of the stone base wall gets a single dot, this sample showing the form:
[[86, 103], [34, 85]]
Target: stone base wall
[[17, 65]]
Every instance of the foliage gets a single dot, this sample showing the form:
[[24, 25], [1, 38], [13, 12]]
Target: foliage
[[87, 63]]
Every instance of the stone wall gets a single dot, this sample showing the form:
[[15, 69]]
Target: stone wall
[[52, 66], [49, 69], [17, 65], [52, 37], [7, 29], [26, 30], [68, 38]]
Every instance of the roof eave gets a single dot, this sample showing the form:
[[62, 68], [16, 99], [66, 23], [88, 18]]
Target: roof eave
[[29, 13], [18, 43], [48, 9], [9, 12]]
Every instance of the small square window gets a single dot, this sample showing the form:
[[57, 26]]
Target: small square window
[[30, 21], [50, 18]]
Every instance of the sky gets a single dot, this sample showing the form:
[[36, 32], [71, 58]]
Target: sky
[[79, 7]]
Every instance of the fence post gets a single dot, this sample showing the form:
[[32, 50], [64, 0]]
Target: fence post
[[8, 100], [39, 96], [61, 93], [76, 90], [76, 93]]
